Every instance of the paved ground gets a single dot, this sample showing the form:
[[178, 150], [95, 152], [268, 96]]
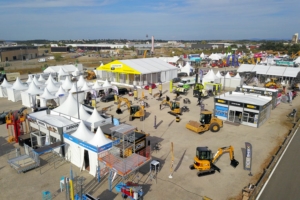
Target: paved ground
[[285, 180], [185, 183]]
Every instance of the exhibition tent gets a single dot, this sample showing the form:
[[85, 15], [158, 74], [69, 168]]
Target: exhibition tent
[[42, 79], [219, 74], [67, 84], [50, 78], [68, 107], [3, 90], [211, 77], [36, 82], [97, 86], [52, 87], [95, 119], [29, 96], [67, 68], [83, 115], [29, 80], [62, 74], [236, 81], [14, 92], [46, 96], [75, 91], [80, 81], [187, 68], [85, 87], [61, 94]]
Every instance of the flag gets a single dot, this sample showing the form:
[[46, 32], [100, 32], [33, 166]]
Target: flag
[[248, 156]]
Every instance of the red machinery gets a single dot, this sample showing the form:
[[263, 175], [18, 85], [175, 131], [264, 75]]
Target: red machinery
[[130, 190], [15, 120]]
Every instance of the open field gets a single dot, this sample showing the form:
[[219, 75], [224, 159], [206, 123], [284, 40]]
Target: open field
[[185, 183]]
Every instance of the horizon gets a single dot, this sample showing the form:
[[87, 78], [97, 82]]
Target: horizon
[[168, 20]]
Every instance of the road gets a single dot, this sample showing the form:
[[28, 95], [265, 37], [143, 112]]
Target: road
[[285, 180]]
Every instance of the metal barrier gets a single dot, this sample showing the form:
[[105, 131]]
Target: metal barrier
[[267, 171]]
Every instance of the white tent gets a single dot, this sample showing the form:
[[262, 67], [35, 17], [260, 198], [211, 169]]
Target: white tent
[[52, 87], [42, 79], [215, 56], [187, 68], [14, 92], [226, 80], [67, 84], [85, 87], [29, 80], [36, 82], [97, 86], [219, 74], [46, 96], [67, 68], [74, 88], [95, 119], [50, 78], [62, 73], [236, 81], [83, 115], [29, 96], [62, 94], [76, 72], [68, 107], [3, 90], [202, 55], [83, 133], [106, 84], [211, 77], [80, 81]]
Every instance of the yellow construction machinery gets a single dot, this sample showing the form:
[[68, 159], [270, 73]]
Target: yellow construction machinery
[[145, 54], [207, 122], [90, 75], [272, 84], [174, 105], [295, 55], [135, 111], [204, 160]]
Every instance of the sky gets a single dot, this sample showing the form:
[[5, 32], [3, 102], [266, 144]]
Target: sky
[[163, 19]]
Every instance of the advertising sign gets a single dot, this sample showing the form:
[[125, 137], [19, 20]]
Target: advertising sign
[[248, 156], [42, 124], [70, 128]]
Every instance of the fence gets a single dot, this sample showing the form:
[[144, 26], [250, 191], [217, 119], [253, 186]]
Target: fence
[[267, 171]]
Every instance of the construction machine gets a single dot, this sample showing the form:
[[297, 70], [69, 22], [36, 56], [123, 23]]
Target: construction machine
[[135, 111], [174, 105], [272, 84], [90, 75], [16, 124], [204, 160], [207, 122]]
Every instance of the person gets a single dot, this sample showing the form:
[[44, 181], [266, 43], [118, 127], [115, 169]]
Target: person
[[240, 117]]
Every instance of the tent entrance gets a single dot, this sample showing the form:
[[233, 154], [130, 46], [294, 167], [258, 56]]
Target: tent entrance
[[86, 160]]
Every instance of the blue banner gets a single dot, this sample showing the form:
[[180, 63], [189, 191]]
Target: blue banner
[[221, 111], [248, 156]]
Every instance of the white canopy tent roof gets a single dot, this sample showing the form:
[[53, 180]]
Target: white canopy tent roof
[[82, 113], [237, 76], [219, 74], [73, 89], [37, 83], [271, 70], [202, 55], [50, 78], [95, 119], [33, 89], [67, 84], [76, 72], [83, 133], [99, 139], [80, 81], [60, 91], [106, 84], [47, 95], [19, 85], [52, 87], [68, 107], [85, 87], [62, 72], [211, 77], [5, 84], [29, 80], [228, 75], [67, 68], [97, 85], [260, 69], [245, 68], [42, 79]]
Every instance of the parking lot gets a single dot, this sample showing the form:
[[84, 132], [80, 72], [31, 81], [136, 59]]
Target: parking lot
[[185, 183]]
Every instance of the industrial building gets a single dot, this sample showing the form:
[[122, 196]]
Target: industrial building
[[13, 53], [61, 49]]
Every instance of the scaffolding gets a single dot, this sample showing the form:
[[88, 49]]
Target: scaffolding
[[122, 159]]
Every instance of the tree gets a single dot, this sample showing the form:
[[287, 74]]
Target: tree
[[57, 57]]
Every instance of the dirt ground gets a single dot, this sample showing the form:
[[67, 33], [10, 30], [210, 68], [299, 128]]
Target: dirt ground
[[185, 184]]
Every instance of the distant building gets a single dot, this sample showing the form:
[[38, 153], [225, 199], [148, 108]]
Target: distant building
[[13, 53], [202, 46], [295, 38], [61, 49]]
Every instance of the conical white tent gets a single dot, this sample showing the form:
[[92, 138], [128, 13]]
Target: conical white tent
[[33, 89], [95, 119], [14, 92], [29, 96], [97, 86], [47, 95], [62, 94], [106, 84], [80, 81], [51, 87], [62, 72], [202, 55], [83, 133], [68, 107], [50, 78], [99, 139], [36, 82], [42, 79], [29, 80], [74, 89], [4, 85], [76, 72], [211, 77], [82, 113], [67, 84], [236, 81], [237, 75], [219, 74], [85, 87]]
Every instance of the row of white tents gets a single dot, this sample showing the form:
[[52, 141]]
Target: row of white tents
[[226, 80]]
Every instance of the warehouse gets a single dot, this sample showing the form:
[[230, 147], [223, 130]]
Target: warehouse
[[18, 53], [137, 71], [240, 108]]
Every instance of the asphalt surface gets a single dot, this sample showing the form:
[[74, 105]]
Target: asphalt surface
[[285, 181]]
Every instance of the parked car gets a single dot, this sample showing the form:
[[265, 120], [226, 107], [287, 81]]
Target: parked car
[[152, 85], [176, 80], [123, 91], [107, 98], [181, 74]]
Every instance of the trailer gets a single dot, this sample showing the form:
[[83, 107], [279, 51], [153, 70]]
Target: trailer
[[23, 162]]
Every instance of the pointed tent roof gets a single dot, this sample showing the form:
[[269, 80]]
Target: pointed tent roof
[[18, 85], [52, 87], [73, 89], [85, 87], [62, 72], [37, 83], [60, 91], [95, 118], [33, 89], [202, 55], [82, 113], [219, 74], [83, 133], [50, 78], [67, 84], [29, 80], [80, 81], [5, 84], [227, 75], [99, 139], [96, 85], [208, 75], [47, 95], [106, 84], [76, 72], [187, 64], [68, 107], [237, 76], [41, 78]]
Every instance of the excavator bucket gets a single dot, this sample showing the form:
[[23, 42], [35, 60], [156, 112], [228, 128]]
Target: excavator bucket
[[234, 163], [119, 111]]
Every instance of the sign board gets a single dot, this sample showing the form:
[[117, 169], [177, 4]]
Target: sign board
[[70, 128], [221, 101], [115, 66], [248, 156], [41, 123]]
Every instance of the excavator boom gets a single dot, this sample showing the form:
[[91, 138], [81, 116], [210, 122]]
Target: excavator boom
[[223, 150]]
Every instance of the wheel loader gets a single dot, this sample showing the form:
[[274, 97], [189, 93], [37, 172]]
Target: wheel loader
[[135, 111], [207, 122], [174, 105], [204, 160]]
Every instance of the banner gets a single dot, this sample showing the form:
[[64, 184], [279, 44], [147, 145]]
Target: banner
[[248, 156]]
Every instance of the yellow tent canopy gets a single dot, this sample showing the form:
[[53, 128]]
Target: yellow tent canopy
[[118, 67]]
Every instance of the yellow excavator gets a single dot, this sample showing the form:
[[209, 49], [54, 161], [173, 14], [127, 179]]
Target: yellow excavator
[[272, 84], [174, 105], [204, 160], [135, 111], [207, 122]]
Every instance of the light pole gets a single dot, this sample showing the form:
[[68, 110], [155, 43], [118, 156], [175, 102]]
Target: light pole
[[76, 95]]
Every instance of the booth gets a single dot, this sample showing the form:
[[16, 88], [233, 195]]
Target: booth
[[67, 84], [3, 88], [273, 93], [61, 94], [247, 109], [210, 77], [29, 96], [14, 92]]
